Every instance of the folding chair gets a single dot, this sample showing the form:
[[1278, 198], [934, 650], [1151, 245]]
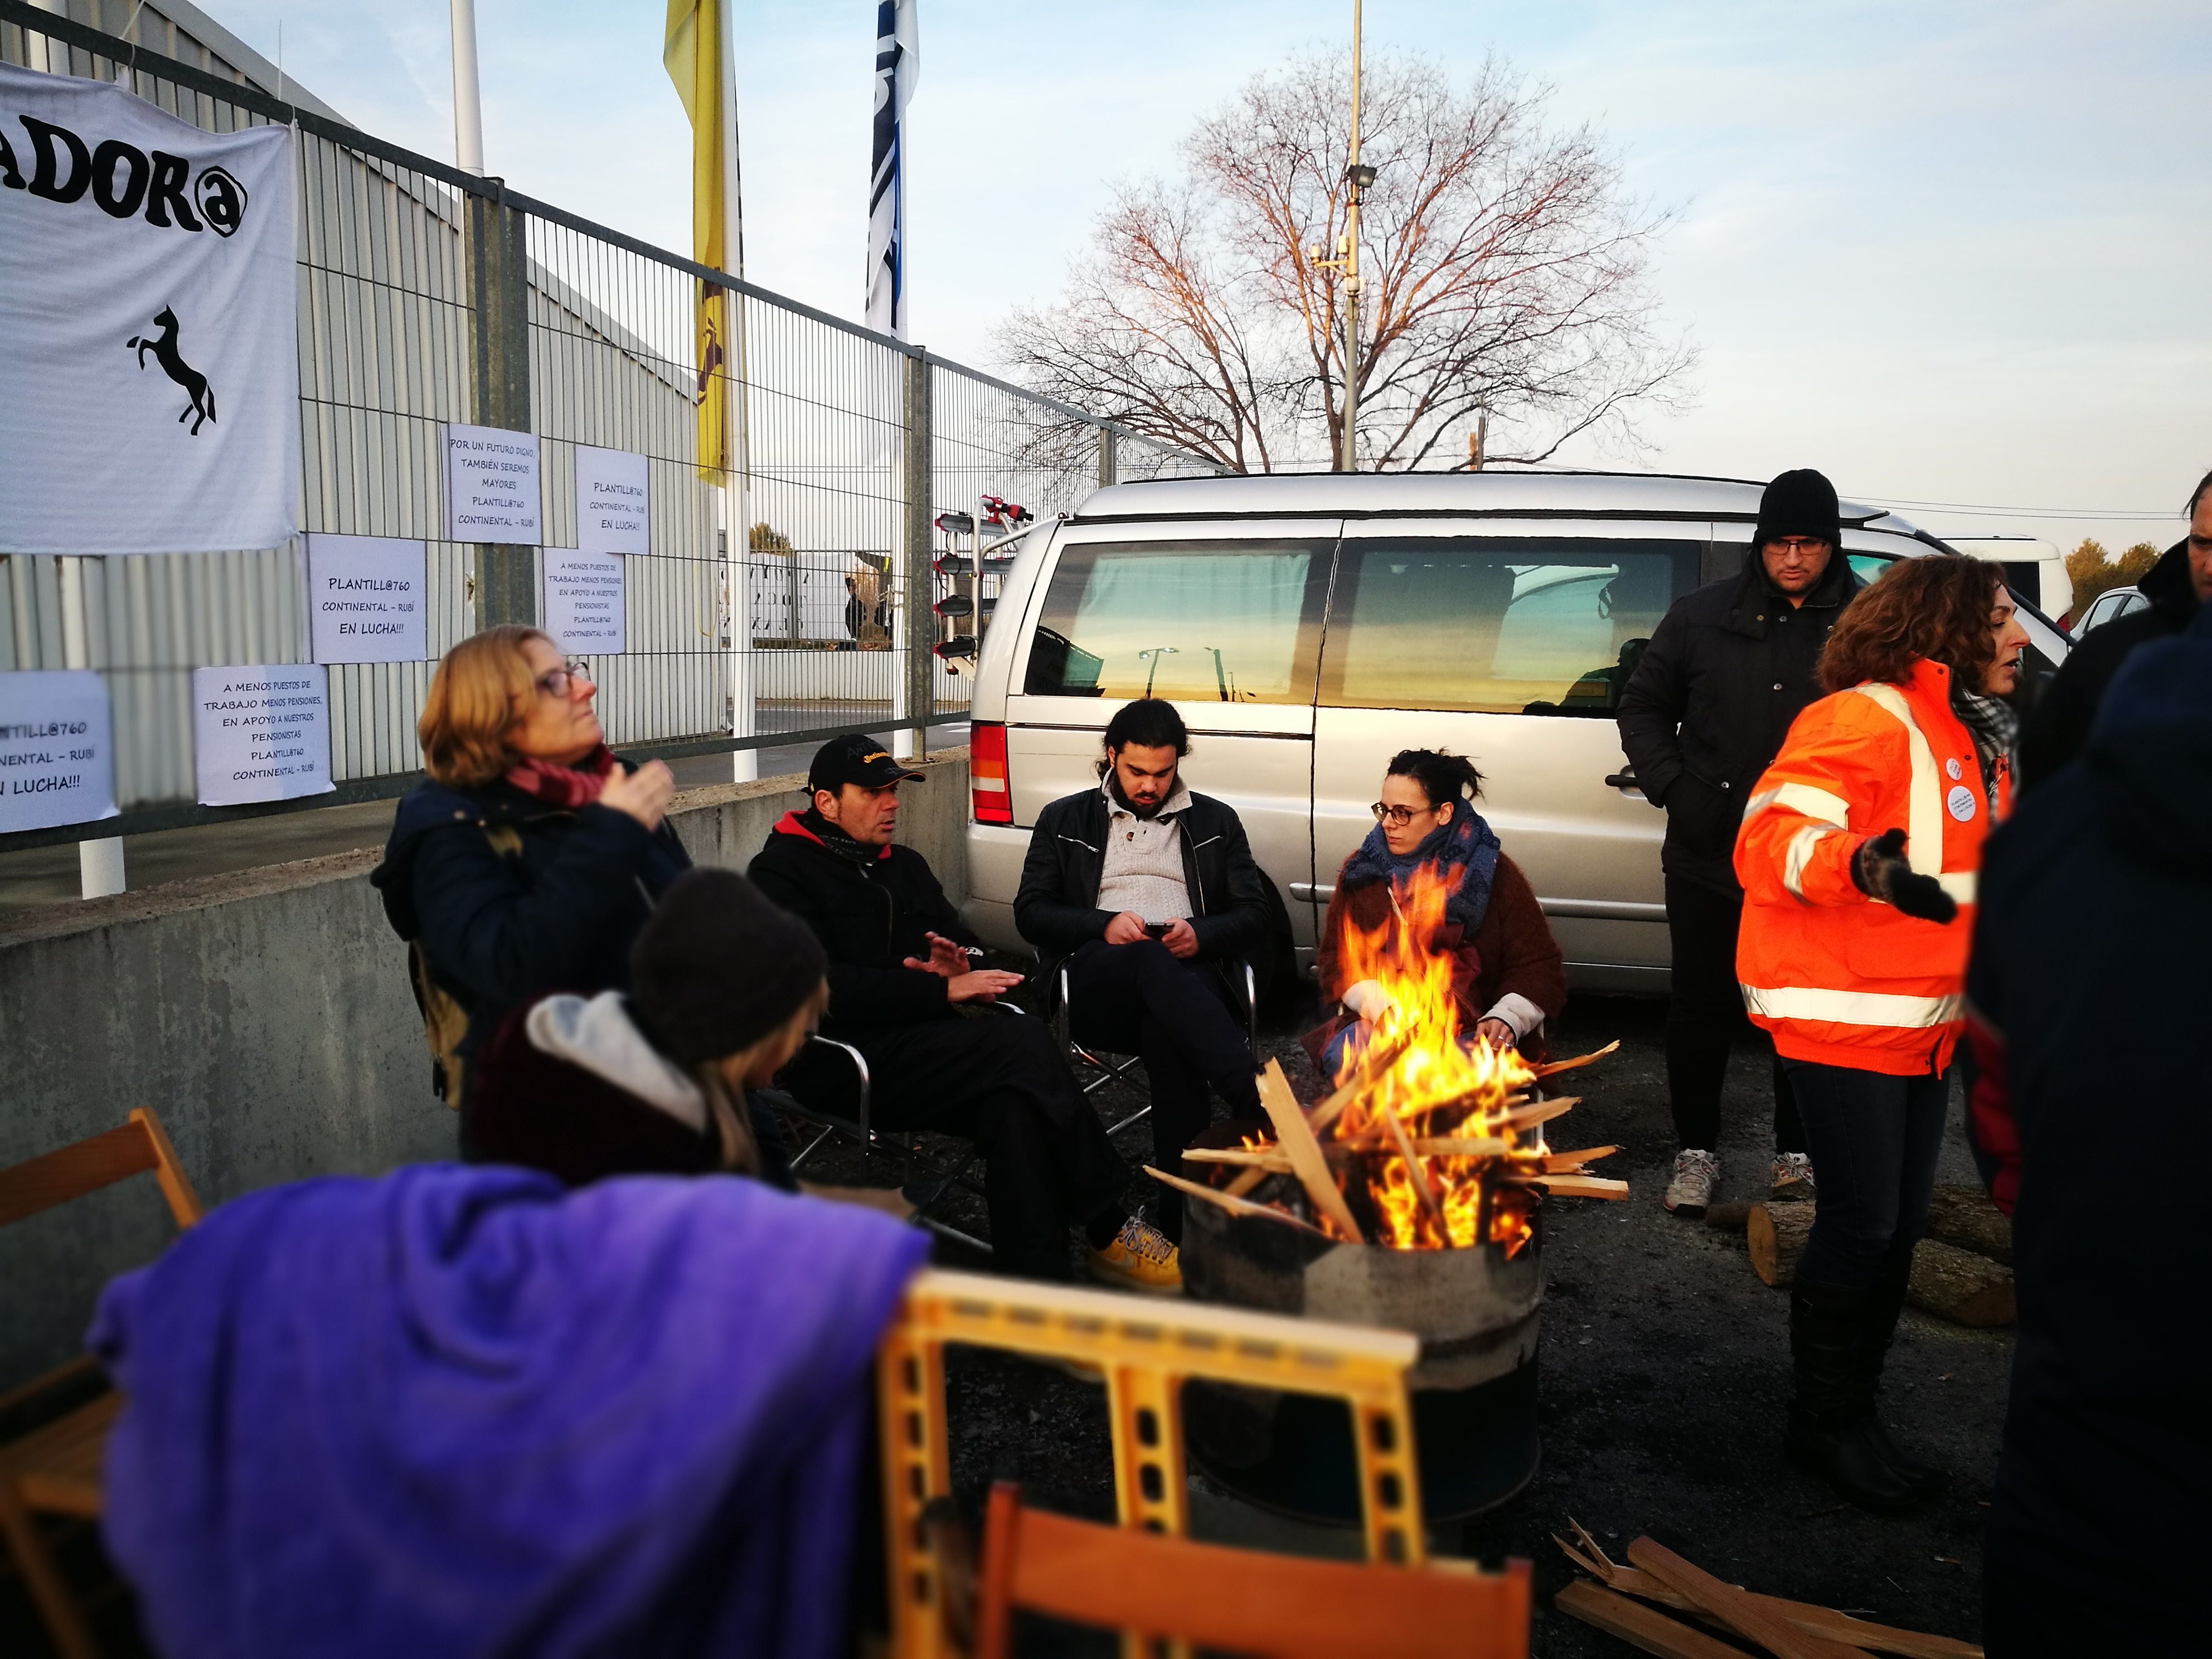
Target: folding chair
[[1102, 1068], [1238, 1601], [55, 1469]]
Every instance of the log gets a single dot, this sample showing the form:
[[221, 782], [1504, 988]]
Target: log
[[1734, 1607], [1965, 1217], [1296, 1137], [1233, 1205], [1776, 1235], [1961, 1286], [1638, 1625], [1579, 1059], [1731, 1216]]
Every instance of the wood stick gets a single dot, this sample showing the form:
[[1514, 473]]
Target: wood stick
[[1457, 1146], [1575, 1160], [1806, 1616], [1296, 1137], [1413, 1163], [1570, 1185], [1267, 1159], [1234, 1206], [1543, 1111], [1638, 1625], [1245, 1183], [1547, 1070], [1732, 1607], [1381, 1056]]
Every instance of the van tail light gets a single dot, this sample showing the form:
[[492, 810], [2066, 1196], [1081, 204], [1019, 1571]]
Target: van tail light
[[994, 802]]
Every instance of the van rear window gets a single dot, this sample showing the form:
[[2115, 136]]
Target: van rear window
[[1507, 625], [1197, 622]]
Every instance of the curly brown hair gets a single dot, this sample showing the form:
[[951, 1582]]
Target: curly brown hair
[[1936, 607]]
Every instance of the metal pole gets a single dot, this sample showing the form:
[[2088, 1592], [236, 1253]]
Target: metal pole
[[1108, 460], [736, 490], [917, 620], [495, 247], [1350, 456], [99, 860], [468, 100]]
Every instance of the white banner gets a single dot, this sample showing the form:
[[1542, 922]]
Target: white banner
[[366, 599], [149, 383], [57, 749], [584, 601], [611, 501], [491, 485], [261, 733]]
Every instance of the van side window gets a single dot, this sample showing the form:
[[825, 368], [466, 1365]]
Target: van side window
[[1503, 625], [1196, 622]]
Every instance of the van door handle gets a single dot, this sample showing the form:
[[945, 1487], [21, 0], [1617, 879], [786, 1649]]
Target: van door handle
[[1312, 892], [1624, 779]]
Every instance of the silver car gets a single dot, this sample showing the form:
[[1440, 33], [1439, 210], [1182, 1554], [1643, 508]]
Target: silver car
[[1309, 626]]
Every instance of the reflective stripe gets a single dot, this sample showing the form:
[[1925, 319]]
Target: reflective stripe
[[1814, 803], [1923, 816], [1959, 883], [1759, 802], [1850, 1008], [1799, 853]]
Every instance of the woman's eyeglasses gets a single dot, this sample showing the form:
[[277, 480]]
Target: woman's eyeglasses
[[1398, 816], [557, 682]]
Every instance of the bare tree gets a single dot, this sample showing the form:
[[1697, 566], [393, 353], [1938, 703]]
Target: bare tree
[[1503, 265]]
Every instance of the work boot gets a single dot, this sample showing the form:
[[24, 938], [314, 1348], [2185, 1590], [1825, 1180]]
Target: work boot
[[1876, 1335], [1793, 1175], [1833, 1430], [1696, 1176], [1139, 1259]]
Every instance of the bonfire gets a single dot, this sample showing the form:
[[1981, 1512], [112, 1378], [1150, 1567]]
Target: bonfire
[[1438, 1140]]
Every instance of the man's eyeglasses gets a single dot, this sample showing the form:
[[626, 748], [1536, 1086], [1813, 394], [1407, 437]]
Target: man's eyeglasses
[[1398, 816], [557, 682]]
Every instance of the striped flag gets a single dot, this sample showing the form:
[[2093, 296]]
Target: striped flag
[[696, 52], [898, 66]]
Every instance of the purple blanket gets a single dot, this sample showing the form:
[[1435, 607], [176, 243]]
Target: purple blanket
[[463, 1411]]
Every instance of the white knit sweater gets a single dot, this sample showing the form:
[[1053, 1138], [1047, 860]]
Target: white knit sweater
[[1143, 866]]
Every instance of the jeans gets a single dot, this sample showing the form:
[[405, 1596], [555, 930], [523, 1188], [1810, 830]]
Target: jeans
[[1704, 1016], [1874, 1139], [1140, 999]]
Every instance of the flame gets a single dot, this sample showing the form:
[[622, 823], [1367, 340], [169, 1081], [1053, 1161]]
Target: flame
[[1441, 1086]]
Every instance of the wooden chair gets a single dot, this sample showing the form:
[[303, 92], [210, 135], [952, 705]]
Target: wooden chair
[[1279, 1606], [55, 1469]]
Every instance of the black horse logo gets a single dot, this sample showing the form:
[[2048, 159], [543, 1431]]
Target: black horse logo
[[164, 347]]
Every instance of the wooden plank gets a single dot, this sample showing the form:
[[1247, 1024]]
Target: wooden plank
[[1235, 1206], [1639, 1626], [1570, 1186], [1457, 1146], [1557, 1065], [1380, 1057], [1541, 1111], [1266, 1159], [1295, 1136], [1565, 1161], [1734, 1607]]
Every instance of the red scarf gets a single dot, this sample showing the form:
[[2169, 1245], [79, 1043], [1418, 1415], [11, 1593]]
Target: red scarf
[[567, 787]]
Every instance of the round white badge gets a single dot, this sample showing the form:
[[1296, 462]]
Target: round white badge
[[1951, 768], [1960, 802]]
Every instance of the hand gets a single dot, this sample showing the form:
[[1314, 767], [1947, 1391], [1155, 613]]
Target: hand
[[947, 959], [1499, 1035], [1880, 871], [1180, 939], [644, 793], [1124, 929], [1366, 1000], [983, 985]]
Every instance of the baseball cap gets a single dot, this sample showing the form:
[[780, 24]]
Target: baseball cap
[[854, 758]]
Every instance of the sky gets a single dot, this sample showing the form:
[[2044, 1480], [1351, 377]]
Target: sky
[[1957, 257]]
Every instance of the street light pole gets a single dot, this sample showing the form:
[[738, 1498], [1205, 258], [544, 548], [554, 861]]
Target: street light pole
[[468, 102], [1355, 176]]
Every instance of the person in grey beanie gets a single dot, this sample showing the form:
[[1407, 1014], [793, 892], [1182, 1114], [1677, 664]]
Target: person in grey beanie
[[725, 987]]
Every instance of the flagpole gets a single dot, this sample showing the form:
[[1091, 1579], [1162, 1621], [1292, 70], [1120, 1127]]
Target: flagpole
[[468, 98], [737, 487]]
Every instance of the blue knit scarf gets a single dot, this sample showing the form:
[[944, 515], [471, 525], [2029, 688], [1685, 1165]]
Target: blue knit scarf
[[1465, 851]]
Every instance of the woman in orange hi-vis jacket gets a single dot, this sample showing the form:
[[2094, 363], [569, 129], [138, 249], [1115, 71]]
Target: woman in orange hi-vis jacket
[[1857, 856]]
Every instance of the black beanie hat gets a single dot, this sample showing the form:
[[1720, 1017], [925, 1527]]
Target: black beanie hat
[[718, 967], [1799, 503]]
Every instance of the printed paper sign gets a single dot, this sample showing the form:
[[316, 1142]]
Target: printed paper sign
[[261, 733], [611, 502], [57, 749], [584, 601], [149, 392], [491, 485], [366, 599]]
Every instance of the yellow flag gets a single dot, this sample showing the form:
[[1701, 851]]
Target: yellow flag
[[692, 51]]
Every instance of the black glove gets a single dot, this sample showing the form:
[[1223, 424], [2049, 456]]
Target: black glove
[[1879, 871]]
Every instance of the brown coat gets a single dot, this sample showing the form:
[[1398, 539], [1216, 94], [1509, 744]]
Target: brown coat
[[1512, 950]]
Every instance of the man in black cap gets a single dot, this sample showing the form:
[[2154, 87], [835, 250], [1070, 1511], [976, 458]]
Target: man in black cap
[[1729, 668], [899, 973]]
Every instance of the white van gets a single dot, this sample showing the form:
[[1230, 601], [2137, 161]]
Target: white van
[[1310, 626], [2032, 566]]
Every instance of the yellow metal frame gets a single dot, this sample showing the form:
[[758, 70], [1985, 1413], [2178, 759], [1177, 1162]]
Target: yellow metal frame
[[1143, 1351]]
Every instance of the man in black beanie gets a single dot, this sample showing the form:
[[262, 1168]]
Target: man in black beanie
[[1727, 669]]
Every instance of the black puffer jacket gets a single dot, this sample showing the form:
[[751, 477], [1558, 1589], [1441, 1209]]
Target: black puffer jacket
[[1729, 668], [2067, 708], [871, 915], [1056, 907]]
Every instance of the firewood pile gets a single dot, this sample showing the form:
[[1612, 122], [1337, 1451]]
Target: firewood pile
[[1407, 1152], [1664, 1605], [1961, 1271]]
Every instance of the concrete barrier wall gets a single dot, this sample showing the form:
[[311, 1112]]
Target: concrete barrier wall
[[265, 1016]]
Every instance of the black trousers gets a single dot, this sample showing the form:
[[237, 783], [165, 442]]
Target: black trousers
[[1140, 999], [1875, 1140], [998, 1079], [1705, 1016]]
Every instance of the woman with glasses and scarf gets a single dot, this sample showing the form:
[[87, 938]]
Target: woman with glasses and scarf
[[532, 857], [1507, 975], [1858, 856]]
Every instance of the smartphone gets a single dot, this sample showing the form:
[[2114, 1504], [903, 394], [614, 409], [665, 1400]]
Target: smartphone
[[1157, 929]]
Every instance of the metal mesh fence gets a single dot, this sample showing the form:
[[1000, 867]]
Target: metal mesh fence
[[796, 601]]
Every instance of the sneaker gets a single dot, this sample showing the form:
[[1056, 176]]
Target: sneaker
[[1793, 1175], [1697, 1173], [1139, 1259]]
